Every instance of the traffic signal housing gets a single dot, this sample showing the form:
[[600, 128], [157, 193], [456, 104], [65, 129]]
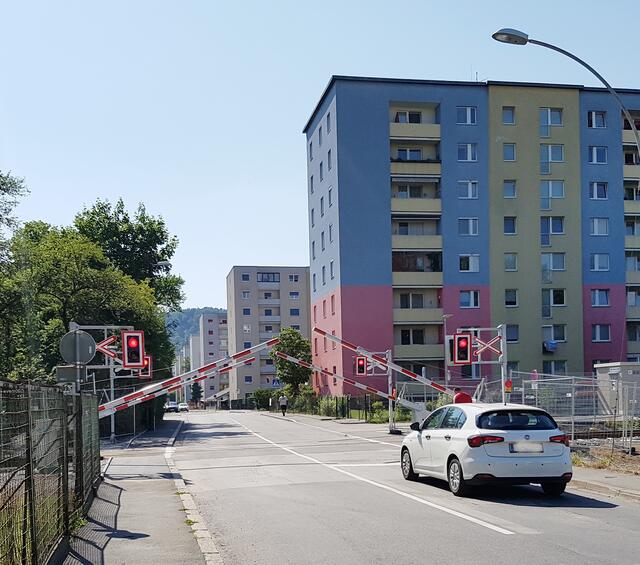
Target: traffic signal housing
[[462, 349], [133, 349], [147, 372], [361, 365]]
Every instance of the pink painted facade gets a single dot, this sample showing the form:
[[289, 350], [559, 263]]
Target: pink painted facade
[[614, 315]]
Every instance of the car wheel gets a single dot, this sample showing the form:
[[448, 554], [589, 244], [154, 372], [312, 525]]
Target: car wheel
[[457, 484], [554, 489], [407, 466]]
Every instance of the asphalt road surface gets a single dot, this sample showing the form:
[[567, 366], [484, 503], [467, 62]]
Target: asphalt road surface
[[302, 490]]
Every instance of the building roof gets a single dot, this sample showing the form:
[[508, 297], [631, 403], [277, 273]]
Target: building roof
[[335, 78]]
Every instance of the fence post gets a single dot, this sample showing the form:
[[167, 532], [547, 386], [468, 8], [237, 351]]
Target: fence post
[[29, 482], [65, 468], [79, 447], [573, 408]]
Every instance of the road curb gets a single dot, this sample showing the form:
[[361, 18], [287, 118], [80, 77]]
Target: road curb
[[134, 438], [203, 536], [604, 489]]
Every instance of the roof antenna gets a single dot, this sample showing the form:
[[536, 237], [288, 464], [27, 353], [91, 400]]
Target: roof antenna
[[476, 76]]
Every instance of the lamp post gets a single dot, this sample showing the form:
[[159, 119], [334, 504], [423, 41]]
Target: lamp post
[[445, 317], [516, 37]]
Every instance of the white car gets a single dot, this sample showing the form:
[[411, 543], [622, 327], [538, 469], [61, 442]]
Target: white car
[[183, 407], [478, 444]]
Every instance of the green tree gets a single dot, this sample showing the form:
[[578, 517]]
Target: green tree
[[196, 392], [11, 189], [292, 343], [261, 398], [140, 246]]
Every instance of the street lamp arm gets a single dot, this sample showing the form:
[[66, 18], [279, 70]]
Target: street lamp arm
[[600, 78]]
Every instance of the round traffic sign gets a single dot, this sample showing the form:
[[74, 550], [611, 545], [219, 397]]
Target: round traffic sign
[[77, 347]]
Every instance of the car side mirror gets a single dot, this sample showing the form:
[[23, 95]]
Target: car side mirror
[[415, 426]]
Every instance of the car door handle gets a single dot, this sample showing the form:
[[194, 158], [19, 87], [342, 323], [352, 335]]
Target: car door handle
[[426, 436], [447, 438]]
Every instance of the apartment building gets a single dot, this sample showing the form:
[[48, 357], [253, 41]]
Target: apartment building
[[213, 338], [261, 301], [473, 204]]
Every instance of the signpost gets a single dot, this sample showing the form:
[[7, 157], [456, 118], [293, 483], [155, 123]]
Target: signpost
[[77, 348]]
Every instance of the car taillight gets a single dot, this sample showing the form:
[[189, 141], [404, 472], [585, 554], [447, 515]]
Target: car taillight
[[564, 438], [477, 441]]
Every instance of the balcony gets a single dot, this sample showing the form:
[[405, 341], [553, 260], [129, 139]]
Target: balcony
[[416, 242], [632, 241], [633, 277], [417, 315], [631, 171], [269, 318], [627, 137], [429, 168], [431, 351], [268, 285], [267, 369], [264, 336], [417, 279], [407, 131], [633, 347], [269, 301], [418, 205], [633, 312], [630, 206]]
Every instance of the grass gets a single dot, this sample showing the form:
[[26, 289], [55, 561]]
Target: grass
[[602, 458], [190, 522], [181, 492]]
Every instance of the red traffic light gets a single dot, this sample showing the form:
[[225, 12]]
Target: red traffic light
[[133, 342], [462, 349], [133, 349], [361, 365], [462, 342]]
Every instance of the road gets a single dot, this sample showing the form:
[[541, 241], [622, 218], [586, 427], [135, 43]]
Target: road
[[307, 491]]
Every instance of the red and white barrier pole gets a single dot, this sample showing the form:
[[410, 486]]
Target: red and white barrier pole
[[382, 361], [113, 405]]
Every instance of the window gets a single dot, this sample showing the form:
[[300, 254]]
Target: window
[[467, 226], [509, 188], [511, 297], [412, 337], [599, 226], [632, 192], [467, 189], [314, 282], [329, 160], [313, 217], [295, 327], [597, 119], [633, 332], [313, 249], [598, 155], [551, 262], [269, 277], [246, 345], [600, 332], [510, 261], [411, 300], [454, 419], [509, 151], [248, 379], [324, 308], [632, 262], [467, 152], [330, 197], [405, 154], [406, 117], [632, 225], [294, 278], [268, 361], [549, 117], [294, 295], [550, 189], [513, 333], [268, 312], [550, 153], [466, 115], [599, 262], [331, 273], [311, 184], [321, 171], [324, 275], [311, 151], [409, 191], [509, 225], [328, 122], [469, 299], [469, 263], [508, 115], [321, 206], [598, 190], [552, 297], [330, 233], [246, 328], [320, 136], [322, 241], [246, 294], [555, 332], [633, 296], [600, 297], [268, 328], [550, 225], [246, 311], [555, 367], [294, 311], [333, 304], [244, 277]]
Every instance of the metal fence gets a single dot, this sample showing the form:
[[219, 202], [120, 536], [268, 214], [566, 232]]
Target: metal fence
[[586, 407], [49, 462]]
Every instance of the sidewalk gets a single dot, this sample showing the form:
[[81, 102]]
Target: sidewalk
[[606, 482], [137, 517]]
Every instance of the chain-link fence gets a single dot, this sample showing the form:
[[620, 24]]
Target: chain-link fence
[[586, 407], [49, 461]]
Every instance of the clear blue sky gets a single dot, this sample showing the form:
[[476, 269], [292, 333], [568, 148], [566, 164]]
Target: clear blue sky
[[196, 107]]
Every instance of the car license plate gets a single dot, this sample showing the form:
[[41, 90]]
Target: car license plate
[[526, 447]]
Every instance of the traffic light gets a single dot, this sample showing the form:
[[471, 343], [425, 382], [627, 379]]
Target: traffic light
[[133, 349], [147, 371], [361, 365], [462, 349]]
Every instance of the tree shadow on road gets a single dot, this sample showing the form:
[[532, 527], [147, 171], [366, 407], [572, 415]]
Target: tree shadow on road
[[192, 432]]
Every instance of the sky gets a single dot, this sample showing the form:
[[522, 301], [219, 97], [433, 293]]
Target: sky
[[196, 107]]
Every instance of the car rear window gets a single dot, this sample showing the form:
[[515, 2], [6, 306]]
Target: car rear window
[[516, 420]]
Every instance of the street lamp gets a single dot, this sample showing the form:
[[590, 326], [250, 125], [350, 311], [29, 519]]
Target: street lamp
[[445, 317], [517, 37]]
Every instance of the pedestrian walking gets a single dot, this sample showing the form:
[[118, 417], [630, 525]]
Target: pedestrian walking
[[283, 401]]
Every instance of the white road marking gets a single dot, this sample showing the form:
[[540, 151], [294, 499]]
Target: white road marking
[[450, 511], [366, 464]]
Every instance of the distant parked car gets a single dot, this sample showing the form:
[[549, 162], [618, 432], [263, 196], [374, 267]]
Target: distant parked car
[[171, 406], [183, 407]]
